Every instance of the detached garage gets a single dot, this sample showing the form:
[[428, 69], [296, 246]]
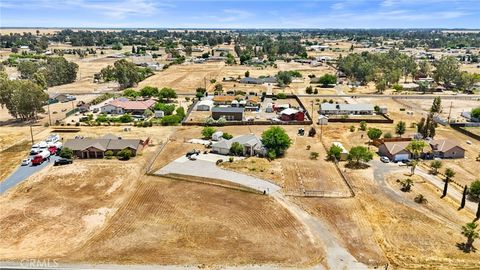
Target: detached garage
[[395, 151]]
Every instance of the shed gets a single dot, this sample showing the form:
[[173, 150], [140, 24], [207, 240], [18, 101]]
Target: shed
[[205, 105], [230, 113], [344, 153], [217, 136]]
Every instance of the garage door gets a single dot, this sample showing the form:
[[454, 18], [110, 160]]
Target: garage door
[[401, 157]]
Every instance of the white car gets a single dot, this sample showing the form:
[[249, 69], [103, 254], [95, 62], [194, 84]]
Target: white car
[[26, 161], [384, 159]]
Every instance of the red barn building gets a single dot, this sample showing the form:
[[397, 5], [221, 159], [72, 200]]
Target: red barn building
[[292, 115]]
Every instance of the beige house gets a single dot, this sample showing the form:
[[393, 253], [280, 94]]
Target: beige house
[[395, 151], [447, 149]]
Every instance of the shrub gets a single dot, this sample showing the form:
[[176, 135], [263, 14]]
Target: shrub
[[230, 159], [314, 155], [387, 135], [207, 132], [352, 128], [475, 188], [66, 153], [363, 125], [420, 199], [109, 154], [227, 136], [219, 161], [281, 96], [236, 149], [125, 154]]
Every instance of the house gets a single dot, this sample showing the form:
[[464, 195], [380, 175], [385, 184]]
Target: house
[[291, 114], [61, 98], [346, 109], [343, 153], [251, 80], [446, 149], [205, 105], [395, 151], [252, 145], [229, 113], [223, 100], [96, 148], [121, 106]]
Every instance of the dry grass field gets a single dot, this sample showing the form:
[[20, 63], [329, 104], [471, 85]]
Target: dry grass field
[[156, 225]]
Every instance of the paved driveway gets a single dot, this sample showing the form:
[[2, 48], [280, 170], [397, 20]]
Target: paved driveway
[[22, 173], [205, 166]]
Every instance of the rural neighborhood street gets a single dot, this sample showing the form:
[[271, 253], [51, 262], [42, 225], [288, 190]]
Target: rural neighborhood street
[[205, 166], [22, 173]]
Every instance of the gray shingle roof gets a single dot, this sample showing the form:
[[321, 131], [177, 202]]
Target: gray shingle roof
[[228, 109], [102, 144]]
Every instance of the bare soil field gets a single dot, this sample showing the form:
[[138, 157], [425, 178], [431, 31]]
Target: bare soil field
[[158, 216]]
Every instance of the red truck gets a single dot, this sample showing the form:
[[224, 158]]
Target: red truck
[[42, 156]]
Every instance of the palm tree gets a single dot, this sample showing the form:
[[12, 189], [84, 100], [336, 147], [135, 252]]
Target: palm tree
[[413, 164], [435, 165], [416, 148], [449, 174], [406, 185], [470, 231]]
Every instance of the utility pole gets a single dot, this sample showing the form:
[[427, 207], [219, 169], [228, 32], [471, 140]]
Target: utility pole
[[450, 111], [49, 118], [31, 132]]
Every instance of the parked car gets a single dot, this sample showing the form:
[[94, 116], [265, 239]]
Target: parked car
[[384, 159], [62, 161], [26, 161]]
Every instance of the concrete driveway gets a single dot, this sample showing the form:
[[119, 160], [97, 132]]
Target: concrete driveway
[[205, 166], [22, 173]]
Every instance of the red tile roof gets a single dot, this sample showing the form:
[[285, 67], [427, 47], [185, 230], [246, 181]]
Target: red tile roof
[[133, 105]]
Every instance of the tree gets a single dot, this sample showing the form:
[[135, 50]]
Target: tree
[[126, 118], [381, 85], [447, 70], [358, 154], [125, 154], [424, 69], [435, 165], [27, 69], [66, 153], [314, 155], [109, 154], [247, 73], [416, 148], [400, 128], [207, 132], [334, 152], [166, 108], [471, 233], [236, 149], [284, 78], [363, 125], [406, 185], [476, 113], [218, 87], [426, 127], [374, 133], [475, 189], [449, 174], [148, 91], [23, 99], [327, 79], [130, 93], [309, 90], [420, 199], [276, 140], [437, 105], [167, 93]]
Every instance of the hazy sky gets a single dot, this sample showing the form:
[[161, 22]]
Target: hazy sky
[[241, 14]]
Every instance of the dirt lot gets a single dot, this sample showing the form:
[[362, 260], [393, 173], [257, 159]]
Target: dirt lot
[[158, 216]]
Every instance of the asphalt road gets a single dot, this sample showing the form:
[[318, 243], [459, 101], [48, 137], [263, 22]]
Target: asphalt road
[[22, 173]]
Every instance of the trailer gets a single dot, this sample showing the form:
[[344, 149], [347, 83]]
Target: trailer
[[40, 157], [54, 148]]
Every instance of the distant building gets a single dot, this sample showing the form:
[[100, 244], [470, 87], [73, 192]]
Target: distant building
[[291, 114], [229, 113], [346, 109], [205, 105], [251, 80]]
